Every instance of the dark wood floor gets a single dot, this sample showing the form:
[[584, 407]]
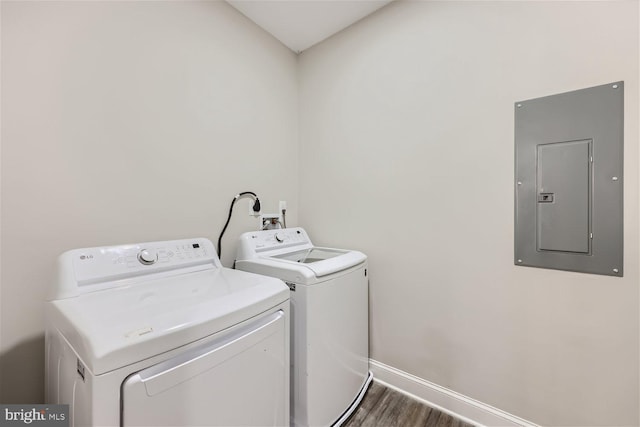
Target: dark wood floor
[[384, 407]]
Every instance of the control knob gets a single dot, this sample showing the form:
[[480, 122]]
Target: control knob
[[280, 237], [147, 256]]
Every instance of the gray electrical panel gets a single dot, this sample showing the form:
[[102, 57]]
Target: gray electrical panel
[[568, 181]]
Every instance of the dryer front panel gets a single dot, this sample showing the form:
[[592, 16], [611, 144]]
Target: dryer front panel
[[237, 378]]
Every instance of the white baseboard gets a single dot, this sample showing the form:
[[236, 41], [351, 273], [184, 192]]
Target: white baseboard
[[449, 401]]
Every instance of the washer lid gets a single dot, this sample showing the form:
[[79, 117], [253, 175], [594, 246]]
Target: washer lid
[[323, 261], [289, 254], [126, 324]]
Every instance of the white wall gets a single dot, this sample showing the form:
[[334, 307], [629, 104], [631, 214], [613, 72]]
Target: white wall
[[407, 146], [129, 122]]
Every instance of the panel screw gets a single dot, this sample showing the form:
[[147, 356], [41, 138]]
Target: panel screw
[[518, 105], [519, 261], [615, 86], [614, 178], [519, 182], [615, 270]]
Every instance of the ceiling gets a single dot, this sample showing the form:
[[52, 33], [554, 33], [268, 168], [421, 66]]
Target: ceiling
[[299, 24]]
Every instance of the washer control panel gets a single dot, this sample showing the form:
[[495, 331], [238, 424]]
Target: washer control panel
[[265, 240]]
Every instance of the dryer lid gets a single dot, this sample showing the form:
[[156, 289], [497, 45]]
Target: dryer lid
[[118, 327], [115, 312]]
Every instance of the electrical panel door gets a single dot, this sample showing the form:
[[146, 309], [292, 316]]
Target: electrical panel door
[[564, 196], [568, 173]]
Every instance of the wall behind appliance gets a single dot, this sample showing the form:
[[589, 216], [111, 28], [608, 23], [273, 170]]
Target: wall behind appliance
[[129, 122], [407, 145]]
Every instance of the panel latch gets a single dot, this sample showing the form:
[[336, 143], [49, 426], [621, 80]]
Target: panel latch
[[545, 198]]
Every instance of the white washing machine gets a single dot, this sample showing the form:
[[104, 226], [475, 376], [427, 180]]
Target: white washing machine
[[160, 334], [329, 320]]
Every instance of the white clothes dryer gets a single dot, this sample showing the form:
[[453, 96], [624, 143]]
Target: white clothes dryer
[[160, 334], [329, 320]]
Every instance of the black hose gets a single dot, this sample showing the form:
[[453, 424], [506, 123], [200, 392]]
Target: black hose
[[256, 208]]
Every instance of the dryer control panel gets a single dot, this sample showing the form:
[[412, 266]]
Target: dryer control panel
[[89, 269]]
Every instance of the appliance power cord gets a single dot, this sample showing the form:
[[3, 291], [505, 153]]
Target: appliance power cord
[[256, 208]]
